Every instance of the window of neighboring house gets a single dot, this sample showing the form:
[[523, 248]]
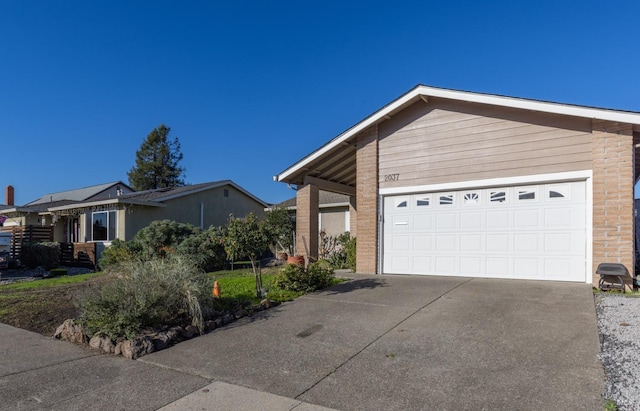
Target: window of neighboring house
[[226, 192], [103, 226]]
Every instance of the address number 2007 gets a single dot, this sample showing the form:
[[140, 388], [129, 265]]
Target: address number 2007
[[391, 177]]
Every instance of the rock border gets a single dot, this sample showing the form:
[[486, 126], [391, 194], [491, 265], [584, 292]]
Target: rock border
[[151, 342]]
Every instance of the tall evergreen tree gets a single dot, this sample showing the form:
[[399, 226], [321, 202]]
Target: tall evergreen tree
[[157, 162]]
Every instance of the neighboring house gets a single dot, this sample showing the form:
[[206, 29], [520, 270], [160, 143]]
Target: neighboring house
[[455, 183], [333, 212], [105, 212]]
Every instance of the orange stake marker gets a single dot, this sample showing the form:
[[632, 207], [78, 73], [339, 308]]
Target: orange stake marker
[[216, 289]]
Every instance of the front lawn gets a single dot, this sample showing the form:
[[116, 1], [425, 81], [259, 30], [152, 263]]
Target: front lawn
[[43, 304]]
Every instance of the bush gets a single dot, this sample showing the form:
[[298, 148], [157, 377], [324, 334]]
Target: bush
[[146, 295], [348, 243], [295, 278], [206, 248], [162, 237], [44, 254], [118, 252]]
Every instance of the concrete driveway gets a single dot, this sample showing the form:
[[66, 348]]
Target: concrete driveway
[[413, 343]]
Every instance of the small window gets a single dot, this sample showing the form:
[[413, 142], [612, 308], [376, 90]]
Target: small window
[[498, 196], [471, 198], [446, 199], [226, 192], [401, 202], [525, 194], [422, 201], [558, 191]]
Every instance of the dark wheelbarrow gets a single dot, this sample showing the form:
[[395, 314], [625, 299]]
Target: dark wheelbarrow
[[611, 276]]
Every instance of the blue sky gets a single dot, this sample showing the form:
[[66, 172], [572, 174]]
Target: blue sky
[[250, 87]]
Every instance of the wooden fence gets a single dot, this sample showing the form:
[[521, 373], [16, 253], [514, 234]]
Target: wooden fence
[[27, 234], [72, 254]]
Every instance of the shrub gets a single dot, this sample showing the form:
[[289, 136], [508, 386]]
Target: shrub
[[295, 278], [163, 237], [348, 243], [44, 254], [145, 295], [206, 248], [118, 252]]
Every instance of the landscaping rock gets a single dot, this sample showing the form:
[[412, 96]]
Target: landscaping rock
[[70, 331], [103, 343], [227, 319], [240, 314], [136, 348], [118, 348], [161, 341], [209, 325], [190, 331], [266, 303], [175, 334]]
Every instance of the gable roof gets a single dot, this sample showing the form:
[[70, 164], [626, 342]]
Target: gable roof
[[156, 197], [80, 194], [338, 155]]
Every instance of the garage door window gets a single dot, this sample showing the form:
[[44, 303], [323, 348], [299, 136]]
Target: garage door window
[[527, 194], [446, 199], [558, 192], [401, 203], [422, 201], [498, 196], [471, 198]]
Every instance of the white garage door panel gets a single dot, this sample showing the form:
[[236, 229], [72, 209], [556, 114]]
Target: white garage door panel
[[529, 232]]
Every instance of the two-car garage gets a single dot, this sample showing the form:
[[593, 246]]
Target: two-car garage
[[526, 232], [456, 183]]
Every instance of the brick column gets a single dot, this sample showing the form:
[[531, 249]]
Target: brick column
[[353, 217], [613, 181], [367, 201], [307, 222]]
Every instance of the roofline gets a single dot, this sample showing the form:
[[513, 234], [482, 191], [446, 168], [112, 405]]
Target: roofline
[[209, 187], [105, 202], [419, 91], [329, 205]]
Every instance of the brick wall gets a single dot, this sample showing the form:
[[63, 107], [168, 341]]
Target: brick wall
[[307, 222], [613, 180], [367, 201]]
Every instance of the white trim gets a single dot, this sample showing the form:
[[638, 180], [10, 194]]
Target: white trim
[[424, 91], [589, 251], [583, 175], [492, 182]]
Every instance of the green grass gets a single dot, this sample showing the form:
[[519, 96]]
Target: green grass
[[240, 284], [50, 282]]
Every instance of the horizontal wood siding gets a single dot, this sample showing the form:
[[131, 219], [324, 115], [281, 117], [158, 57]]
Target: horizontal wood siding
[[443, 141]]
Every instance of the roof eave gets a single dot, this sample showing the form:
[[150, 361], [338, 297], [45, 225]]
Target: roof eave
[[425, 91]]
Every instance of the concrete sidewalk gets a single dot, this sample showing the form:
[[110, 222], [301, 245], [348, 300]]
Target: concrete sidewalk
[[376, 342]]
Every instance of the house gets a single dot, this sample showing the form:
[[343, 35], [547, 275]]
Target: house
[[455, 183], [333, 212], [102, 213]]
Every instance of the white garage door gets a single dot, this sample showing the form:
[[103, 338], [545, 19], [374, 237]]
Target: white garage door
[[526, 232]]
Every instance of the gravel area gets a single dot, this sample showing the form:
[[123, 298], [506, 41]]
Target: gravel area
[[619, 326]]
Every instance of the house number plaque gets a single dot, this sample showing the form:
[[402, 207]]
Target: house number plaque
[[392, 177]]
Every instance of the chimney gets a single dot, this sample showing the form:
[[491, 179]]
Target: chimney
[[9, 195]]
